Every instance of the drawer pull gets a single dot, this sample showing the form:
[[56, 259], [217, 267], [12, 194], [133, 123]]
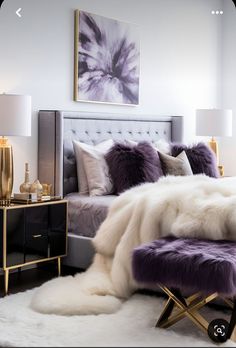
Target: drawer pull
[[37, 236]]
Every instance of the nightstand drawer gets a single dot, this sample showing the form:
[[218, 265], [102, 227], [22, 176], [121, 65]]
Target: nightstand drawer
[[36, 248], [57, 226], [15, 241], [57, 244], [36, 233], [36, 222]]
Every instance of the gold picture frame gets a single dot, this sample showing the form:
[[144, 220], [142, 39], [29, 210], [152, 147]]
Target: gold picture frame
[[119, 84]]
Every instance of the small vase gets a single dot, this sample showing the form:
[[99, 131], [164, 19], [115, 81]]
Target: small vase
[[38, 188], [25, 186]]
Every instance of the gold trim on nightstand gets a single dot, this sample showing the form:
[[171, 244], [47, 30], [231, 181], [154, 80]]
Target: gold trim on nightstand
[[6, 269], [59, 266], [6, 280], [4, 238], [32, 205]]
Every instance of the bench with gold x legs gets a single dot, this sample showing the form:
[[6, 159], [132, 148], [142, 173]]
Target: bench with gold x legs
[[207, 269]]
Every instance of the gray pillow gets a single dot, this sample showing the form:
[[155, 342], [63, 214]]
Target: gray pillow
[[175, 165]]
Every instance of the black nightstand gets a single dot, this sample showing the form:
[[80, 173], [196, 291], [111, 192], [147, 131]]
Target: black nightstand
[[32, 233]]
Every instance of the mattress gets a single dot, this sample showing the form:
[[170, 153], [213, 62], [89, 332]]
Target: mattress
[[85, 213]]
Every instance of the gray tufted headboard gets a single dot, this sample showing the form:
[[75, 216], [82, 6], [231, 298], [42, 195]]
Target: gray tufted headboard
[[57, 130]]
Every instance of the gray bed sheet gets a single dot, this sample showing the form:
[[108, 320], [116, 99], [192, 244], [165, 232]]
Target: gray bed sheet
[[85, 213]]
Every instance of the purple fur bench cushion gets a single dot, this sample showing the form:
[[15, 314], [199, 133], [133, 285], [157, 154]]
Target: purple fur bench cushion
[[188, 264]]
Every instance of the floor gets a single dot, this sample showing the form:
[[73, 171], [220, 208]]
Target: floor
[[123, 329], [31, 278]]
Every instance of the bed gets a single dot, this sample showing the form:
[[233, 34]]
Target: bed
[[56, 164]]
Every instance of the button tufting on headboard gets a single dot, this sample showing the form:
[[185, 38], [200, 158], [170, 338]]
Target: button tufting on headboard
[[58, 129]]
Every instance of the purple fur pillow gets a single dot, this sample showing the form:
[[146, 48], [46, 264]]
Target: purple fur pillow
[[201, 158], [131, 165]]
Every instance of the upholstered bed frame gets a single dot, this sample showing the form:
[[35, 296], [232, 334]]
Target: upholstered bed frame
[[56, 160]]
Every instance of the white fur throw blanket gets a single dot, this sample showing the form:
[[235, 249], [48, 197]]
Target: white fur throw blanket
[[194, 206]]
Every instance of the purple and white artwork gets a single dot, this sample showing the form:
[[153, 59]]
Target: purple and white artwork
[[107, 60]]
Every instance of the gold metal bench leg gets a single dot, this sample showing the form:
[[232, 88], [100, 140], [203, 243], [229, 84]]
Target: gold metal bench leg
[[198, 320], [193, 307], [229, 302], [193, 297], [188, 308], [168, 309], [173, 319], [233, 336], [232, 324]]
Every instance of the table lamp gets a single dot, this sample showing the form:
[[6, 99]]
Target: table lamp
[[15, 120], [214, 123]]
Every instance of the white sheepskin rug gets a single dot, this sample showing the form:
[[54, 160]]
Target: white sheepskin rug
[[132, 326], [193, 206]]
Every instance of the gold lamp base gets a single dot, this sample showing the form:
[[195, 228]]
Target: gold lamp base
[[221, 170], [6, 171], [214, 146]]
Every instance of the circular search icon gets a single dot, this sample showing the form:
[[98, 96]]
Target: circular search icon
[[218, 330]]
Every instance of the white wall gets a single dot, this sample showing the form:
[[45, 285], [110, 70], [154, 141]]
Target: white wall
[[180, 59], [228, 145]]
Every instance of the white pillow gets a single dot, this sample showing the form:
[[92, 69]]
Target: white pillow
[[97, 172], [81, 173], [163, 146], [160, 145]]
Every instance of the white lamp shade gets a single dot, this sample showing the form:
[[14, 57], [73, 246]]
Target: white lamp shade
[[214, 122], [15, 115]]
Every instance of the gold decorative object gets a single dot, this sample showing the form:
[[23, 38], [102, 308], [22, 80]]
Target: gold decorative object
[[37, 187], [6, 171], [47, 189], [25, 186]]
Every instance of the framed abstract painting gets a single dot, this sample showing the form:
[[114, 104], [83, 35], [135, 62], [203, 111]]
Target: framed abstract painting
[[107, 60]]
